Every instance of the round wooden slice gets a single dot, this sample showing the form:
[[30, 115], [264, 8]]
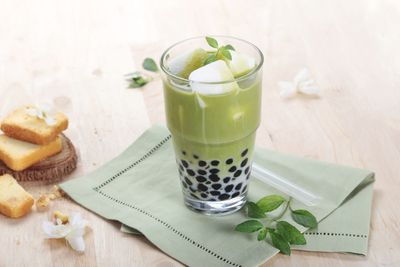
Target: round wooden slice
[[51, 169]]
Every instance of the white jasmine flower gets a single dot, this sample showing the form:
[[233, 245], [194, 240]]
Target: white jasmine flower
[[302, 83], [44, 112], [72, 231]]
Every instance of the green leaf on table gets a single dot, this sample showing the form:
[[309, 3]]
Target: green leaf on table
[[270, 203], [290, 233], [305, 218], [254, 211], [262, 234], [249, 226], [212, 42], [137, 80], [229, 47], [210, 58], [280, 243], [226, 53], [149, 64]]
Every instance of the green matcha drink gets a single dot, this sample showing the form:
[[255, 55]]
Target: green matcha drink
[[212, 102]]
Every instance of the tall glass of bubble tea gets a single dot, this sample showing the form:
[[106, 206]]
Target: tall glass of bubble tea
[[212, 94]]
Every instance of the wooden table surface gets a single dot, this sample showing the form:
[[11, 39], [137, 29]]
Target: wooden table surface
[[75, 53]]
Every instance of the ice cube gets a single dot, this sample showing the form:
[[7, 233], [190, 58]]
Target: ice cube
[[241, 63], [216, 71], [187, 62]]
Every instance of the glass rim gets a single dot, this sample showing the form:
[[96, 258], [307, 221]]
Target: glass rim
[[238, 79]]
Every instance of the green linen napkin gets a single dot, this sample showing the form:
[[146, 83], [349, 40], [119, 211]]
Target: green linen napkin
[[141, 189]]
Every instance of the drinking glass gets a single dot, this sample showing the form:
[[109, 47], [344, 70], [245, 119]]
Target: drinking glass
[[213, 134]]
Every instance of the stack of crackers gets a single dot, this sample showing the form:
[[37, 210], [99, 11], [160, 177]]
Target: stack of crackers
[[29, 139], [26, 140]]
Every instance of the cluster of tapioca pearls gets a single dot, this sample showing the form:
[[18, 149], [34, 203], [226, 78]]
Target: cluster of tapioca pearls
[[203, 180]]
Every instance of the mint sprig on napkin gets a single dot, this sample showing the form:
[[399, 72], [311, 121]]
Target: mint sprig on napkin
[[281, 233]]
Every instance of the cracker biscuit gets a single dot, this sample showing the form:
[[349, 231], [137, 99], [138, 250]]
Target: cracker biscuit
[[15, 202], [20, 125], [19, 155]]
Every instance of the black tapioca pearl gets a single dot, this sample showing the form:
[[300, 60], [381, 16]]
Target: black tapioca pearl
[[202, 187], [244, 189], [214, 177], [202, 163], [244, 162], [184, 152], [235, 194], [192, 189], [215, 162], [195, 156], [208, 182], [229, 188], [190, 172], [203, 195], [184, 185], [227, 179], [214, 171], [244, 152], [201, 172], [237, 173], [215, 193], [216, 186], [229, 161], [200, 179], [223, 197], [232, 169], [184, 163], [181, 167], [238, 186], [188, 181], [248, 176], [246, 171]]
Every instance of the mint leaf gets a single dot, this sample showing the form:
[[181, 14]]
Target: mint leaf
[[262, 234], [210, 58], [212, 42], [254, 211], [304, 218], [229, 47], [280, 243], [290, 233], [249, 226], [137, 80], [149, 64], [270, 203], [226, 53]]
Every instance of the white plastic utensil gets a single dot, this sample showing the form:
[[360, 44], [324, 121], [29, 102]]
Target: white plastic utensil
[[284, 185]]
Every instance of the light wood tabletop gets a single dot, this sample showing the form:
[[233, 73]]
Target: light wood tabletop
[[76, 53]]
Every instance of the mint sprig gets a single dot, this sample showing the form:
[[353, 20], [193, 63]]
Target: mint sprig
[[137, 79], [223, 52], [281, 234]]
